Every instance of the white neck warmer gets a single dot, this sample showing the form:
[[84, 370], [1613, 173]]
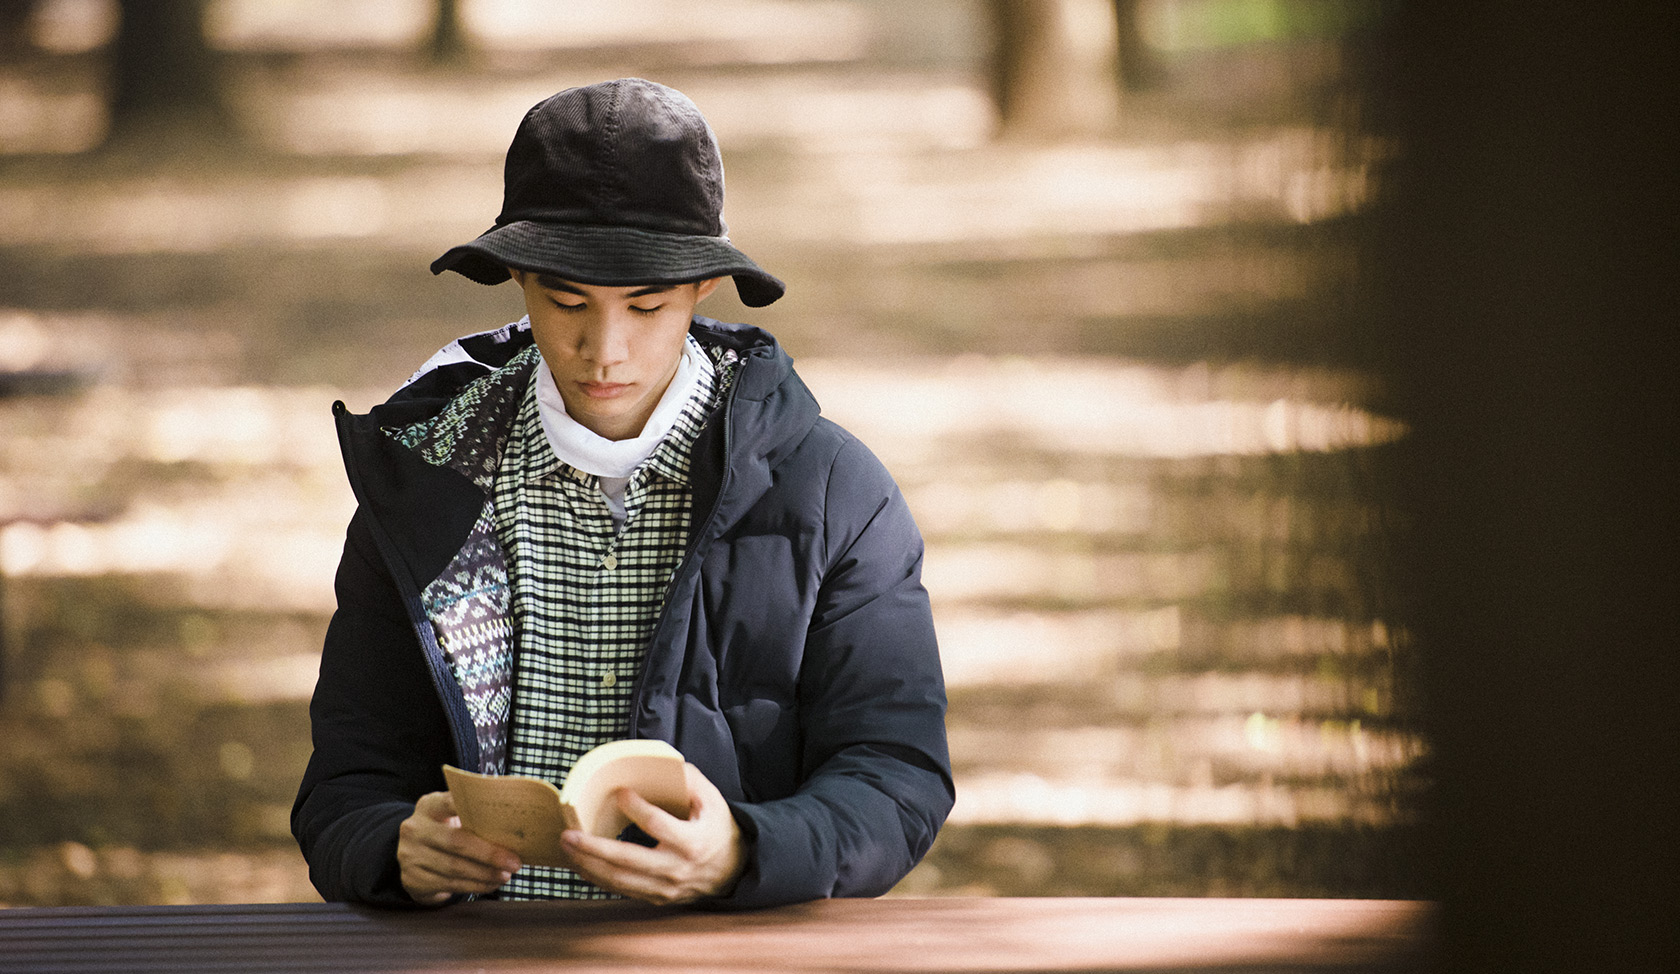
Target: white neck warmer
[[584, 450]]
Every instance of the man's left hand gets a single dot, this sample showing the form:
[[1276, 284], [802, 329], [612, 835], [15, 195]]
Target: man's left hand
[[701, 855]]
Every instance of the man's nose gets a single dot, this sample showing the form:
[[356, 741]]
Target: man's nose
[[607, 339]]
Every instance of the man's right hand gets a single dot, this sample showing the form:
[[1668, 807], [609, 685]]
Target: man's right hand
[[438, 858]]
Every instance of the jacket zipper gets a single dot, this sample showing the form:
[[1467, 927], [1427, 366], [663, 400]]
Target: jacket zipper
[[728, 418]]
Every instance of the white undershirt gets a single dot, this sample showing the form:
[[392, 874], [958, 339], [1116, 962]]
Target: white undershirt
[[613, 461]]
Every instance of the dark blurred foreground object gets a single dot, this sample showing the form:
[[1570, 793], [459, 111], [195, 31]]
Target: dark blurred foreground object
[[1229, 936], [1530, 275]]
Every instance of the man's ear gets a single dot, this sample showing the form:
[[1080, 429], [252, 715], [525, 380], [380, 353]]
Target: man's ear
[[702, 289], [517, 275]]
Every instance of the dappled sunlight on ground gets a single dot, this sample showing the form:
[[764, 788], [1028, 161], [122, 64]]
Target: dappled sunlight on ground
[[1150, 489], [984, 645], [273, 470], [900, 196], [910, 412], [73, 874], [162, 214], [1025, 797], [264, 474]]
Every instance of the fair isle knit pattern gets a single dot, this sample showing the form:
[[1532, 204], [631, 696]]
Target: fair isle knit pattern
[[470, 433], [468, 605], [586, 598], [469, 602]]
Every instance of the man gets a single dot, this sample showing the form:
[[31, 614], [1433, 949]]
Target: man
[[615, 518]]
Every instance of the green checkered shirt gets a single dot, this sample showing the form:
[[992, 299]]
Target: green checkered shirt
[[586, 597]]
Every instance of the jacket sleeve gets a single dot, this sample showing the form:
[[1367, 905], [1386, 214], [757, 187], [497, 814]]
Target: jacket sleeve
[[379, 733], [877, 783]]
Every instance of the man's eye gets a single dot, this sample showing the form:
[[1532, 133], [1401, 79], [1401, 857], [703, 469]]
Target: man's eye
[[646, 311], [563, 306]]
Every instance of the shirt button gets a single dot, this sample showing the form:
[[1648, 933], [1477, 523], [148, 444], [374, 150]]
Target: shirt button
[[609, 679], [610, 562]]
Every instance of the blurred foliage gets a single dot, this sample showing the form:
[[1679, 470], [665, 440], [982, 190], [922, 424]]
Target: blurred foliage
[[1192, 25]]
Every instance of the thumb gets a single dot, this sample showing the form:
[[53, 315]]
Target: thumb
[[438, 806], [702, 794]]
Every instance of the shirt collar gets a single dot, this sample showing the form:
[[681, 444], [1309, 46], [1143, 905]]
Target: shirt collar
[[679, 421]]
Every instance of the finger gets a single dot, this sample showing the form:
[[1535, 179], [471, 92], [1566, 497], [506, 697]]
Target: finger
[[603, 853], [439, 806], [453, 876], [458, 842], [459, 869], [664, 874], [444, 848], [704, 801], [447, 836], [428, 869], [695, 856], [660, 825], [623, 867]]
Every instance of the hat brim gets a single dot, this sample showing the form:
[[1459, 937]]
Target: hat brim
[[608, 257]]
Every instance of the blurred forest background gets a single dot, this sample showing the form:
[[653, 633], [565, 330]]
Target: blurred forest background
[[1078, 270]]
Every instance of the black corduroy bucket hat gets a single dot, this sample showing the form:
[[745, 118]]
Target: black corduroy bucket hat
[[613, 184]]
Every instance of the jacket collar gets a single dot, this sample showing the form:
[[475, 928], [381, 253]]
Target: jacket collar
[[768, 412], [428, 501]]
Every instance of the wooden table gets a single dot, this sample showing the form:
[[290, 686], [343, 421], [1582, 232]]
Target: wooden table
[[984, 936]]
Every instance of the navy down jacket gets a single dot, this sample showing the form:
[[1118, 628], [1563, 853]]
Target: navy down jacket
[[794, 662]]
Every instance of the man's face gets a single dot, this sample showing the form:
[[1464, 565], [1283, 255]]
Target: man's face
[[613, 350]]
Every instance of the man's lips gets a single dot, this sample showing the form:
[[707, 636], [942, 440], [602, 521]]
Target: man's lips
[[604, 390]]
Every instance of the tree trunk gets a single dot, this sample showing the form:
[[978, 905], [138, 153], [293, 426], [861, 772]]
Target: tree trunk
[[14, 27], [165, 80], [449, 43], [1056, 67]]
